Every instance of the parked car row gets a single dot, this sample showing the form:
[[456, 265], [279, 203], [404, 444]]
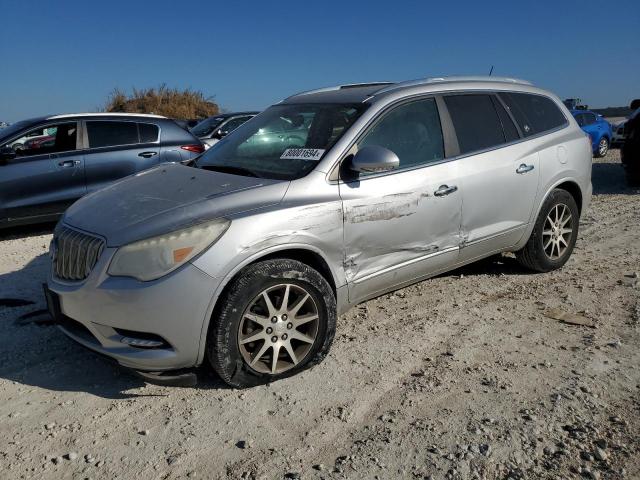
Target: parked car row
[[599, 130], [620, 132], [243, 260], [213, 129], [47, 163]]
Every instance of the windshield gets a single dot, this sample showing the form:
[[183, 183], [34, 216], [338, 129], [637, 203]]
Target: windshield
[[284, 142], [206, 127], [13, 129]]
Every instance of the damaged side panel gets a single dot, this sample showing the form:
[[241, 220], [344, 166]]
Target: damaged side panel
[[397, 230], [304, 220]]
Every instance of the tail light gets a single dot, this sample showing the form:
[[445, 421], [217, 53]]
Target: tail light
[[193, 148]]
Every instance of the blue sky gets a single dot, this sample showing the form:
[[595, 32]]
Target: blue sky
[[67, 56]]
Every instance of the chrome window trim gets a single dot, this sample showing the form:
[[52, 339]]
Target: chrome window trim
[[333, 175]]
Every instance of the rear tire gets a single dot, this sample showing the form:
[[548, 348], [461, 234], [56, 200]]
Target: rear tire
[[264, 314], [554, 234]]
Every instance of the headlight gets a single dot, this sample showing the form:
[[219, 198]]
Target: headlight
[[154, 257]]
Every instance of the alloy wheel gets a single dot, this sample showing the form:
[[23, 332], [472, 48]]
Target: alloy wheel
[[278, 329], [603, 147], [557, 231]]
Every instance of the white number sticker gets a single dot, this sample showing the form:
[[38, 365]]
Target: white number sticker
[[302, 154]]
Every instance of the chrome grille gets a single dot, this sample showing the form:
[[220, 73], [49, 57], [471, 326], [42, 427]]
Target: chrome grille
[[74, 254]]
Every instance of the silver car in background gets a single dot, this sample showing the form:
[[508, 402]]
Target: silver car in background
[[245, 261]]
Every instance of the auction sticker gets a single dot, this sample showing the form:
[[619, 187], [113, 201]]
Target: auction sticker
[[302, 154]]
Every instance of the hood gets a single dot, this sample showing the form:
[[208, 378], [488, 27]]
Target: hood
[[168, 198]]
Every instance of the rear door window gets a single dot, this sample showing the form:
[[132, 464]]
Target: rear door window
[[475, 121], [111, 134], [534, 113], [148, 132]]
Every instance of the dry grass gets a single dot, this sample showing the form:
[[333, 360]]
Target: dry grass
[[170, 102]]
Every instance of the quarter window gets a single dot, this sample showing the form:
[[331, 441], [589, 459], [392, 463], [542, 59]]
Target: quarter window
[[110, 134], [534, 113], [475, 121], [508, 127], [412, 131], [148, 132]]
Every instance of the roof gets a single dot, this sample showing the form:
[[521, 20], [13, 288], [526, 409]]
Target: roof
[[358, 93], [338, 94], [104, 114]]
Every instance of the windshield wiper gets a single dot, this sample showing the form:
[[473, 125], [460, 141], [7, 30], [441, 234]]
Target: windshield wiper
[[231, 169]]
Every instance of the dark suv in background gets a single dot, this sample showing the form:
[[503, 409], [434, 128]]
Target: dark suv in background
[[47, 163]]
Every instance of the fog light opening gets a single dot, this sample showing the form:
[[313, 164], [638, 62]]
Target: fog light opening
[[141, 339], [141, 343]]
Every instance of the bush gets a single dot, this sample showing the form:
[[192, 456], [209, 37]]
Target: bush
[[170, 102]]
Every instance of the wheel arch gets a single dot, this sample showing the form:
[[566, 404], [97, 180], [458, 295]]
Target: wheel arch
[[573, 188], [303, 253], [568, 184]]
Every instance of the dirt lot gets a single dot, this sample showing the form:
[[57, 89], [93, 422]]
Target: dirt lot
[[461, 376]]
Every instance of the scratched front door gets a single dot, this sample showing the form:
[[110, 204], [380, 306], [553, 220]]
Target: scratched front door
[[402, 225], [397, 230]]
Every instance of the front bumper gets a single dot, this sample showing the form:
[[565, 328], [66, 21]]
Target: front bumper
[[96, 311]]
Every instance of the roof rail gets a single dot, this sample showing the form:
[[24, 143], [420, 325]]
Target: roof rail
[[432, 80], [367, 84], [105, 114], [341, 87]]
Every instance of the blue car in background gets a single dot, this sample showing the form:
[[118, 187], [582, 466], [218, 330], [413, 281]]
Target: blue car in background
[[598, 128]]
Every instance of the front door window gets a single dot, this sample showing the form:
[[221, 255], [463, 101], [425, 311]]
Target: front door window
[[54, 138]]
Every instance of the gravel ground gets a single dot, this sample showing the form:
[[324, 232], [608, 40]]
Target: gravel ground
[[462, 376]]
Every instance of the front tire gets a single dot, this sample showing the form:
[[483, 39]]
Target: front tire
[[554, 234], [603, 147], [277, 318]]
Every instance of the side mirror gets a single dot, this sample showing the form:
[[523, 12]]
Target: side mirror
[[220, 134], [373, 158], [6, 153]]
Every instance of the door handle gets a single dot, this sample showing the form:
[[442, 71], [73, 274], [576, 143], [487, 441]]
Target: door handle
[[69, 163], [524, 168], [147, 154], [445, 190]]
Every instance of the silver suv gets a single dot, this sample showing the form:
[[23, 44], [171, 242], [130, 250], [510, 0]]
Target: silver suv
[[246, 260]]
